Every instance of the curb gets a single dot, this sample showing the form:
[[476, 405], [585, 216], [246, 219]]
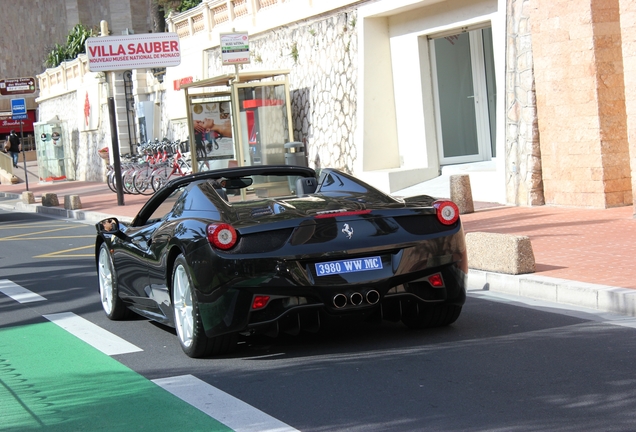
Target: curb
[[603, 298], [80, 215]]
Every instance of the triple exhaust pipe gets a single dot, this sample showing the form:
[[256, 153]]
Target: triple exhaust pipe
[[355, 299]]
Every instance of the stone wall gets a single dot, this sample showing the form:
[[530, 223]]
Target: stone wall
[[28, 34], [322, 56], [580, 102], [524, 184], [31, 28]]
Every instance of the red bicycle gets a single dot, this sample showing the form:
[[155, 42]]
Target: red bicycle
[[173, 166]]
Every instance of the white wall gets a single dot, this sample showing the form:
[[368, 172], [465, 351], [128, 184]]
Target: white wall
[[413, 143]]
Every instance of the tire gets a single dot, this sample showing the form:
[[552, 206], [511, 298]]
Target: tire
[[415, 316], [187, 318], [109, 294], [110, 180], [141, 181], [159, 178], [127, 181]]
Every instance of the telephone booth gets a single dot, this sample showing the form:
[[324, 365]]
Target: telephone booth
[[52, 159], [239, 120]]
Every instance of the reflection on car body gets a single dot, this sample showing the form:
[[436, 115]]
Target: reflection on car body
[[272, 249]]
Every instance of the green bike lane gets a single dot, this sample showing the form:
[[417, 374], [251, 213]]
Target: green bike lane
[[50, 380]]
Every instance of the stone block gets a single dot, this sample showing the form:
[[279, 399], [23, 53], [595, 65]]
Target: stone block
[[28, 198], [50, 200], [500, 253], [461, 193], [72, 202]]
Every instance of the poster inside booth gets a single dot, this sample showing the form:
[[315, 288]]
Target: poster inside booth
[[213, 136]]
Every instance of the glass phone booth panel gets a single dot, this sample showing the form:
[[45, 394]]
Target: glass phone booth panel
[[264, 123], [50, 152]]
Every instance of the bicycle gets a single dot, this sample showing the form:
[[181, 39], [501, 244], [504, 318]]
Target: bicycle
[[175, 166]]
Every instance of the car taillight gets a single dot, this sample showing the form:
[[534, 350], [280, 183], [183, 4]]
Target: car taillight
[[447, 212], [222, 236], [436, 280], [259, 302]]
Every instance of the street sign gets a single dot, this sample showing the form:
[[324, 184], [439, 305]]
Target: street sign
[[148, 50], [18, 109], [16, 86], [235, 48]]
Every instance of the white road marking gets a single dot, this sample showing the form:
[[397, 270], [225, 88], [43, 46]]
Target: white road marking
[[232, 412], [18, 293], [97, 337]]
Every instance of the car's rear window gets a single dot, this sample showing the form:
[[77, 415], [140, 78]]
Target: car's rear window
[[252, 188]]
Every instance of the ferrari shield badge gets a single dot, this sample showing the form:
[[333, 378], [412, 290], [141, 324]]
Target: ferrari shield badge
[[347, 230]]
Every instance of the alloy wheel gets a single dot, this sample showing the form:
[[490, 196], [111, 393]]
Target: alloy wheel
[[183, 308], [105, 281]]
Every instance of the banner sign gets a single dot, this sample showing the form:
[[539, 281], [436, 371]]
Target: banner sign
[[7, 123], [235, 48], [149, 50]]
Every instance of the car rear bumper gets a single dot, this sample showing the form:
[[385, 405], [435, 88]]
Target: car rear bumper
[[292, 308]]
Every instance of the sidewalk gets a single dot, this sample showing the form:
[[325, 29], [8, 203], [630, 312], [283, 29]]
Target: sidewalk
[[584, 257]]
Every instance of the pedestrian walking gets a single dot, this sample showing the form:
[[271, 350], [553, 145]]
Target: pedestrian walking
[[15, 147]]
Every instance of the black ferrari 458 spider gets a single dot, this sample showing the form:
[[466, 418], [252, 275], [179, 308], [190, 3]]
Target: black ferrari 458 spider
[[271, 249]]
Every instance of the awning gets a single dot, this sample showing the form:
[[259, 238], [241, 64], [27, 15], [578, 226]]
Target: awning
[[7, 124], [227, 79]]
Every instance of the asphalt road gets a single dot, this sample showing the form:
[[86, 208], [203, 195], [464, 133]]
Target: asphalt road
[[506, 364]]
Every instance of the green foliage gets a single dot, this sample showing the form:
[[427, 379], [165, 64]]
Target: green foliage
[[75, 45], [177, 5], [56, 56], [188, 4], [76, 40], [294, 52]]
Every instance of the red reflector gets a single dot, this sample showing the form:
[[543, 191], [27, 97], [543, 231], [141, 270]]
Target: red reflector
[[222, 236], [436, 280], [447, 212], [260, 302], [335, 213]]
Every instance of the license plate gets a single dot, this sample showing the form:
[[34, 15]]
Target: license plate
[[348, 266]]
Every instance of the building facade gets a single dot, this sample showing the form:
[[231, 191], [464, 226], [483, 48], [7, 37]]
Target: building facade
[[393, 90]]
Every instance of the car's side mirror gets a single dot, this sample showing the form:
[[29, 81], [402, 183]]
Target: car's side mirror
[[108, 226]]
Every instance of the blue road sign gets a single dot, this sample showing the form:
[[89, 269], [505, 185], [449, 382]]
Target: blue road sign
[[18, 109]]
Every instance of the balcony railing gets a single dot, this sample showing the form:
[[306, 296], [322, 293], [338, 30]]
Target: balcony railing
[[66, 77], [222, 15]]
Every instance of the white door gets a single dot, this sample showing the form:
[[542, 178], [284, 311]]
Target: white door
[[464, 83]]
